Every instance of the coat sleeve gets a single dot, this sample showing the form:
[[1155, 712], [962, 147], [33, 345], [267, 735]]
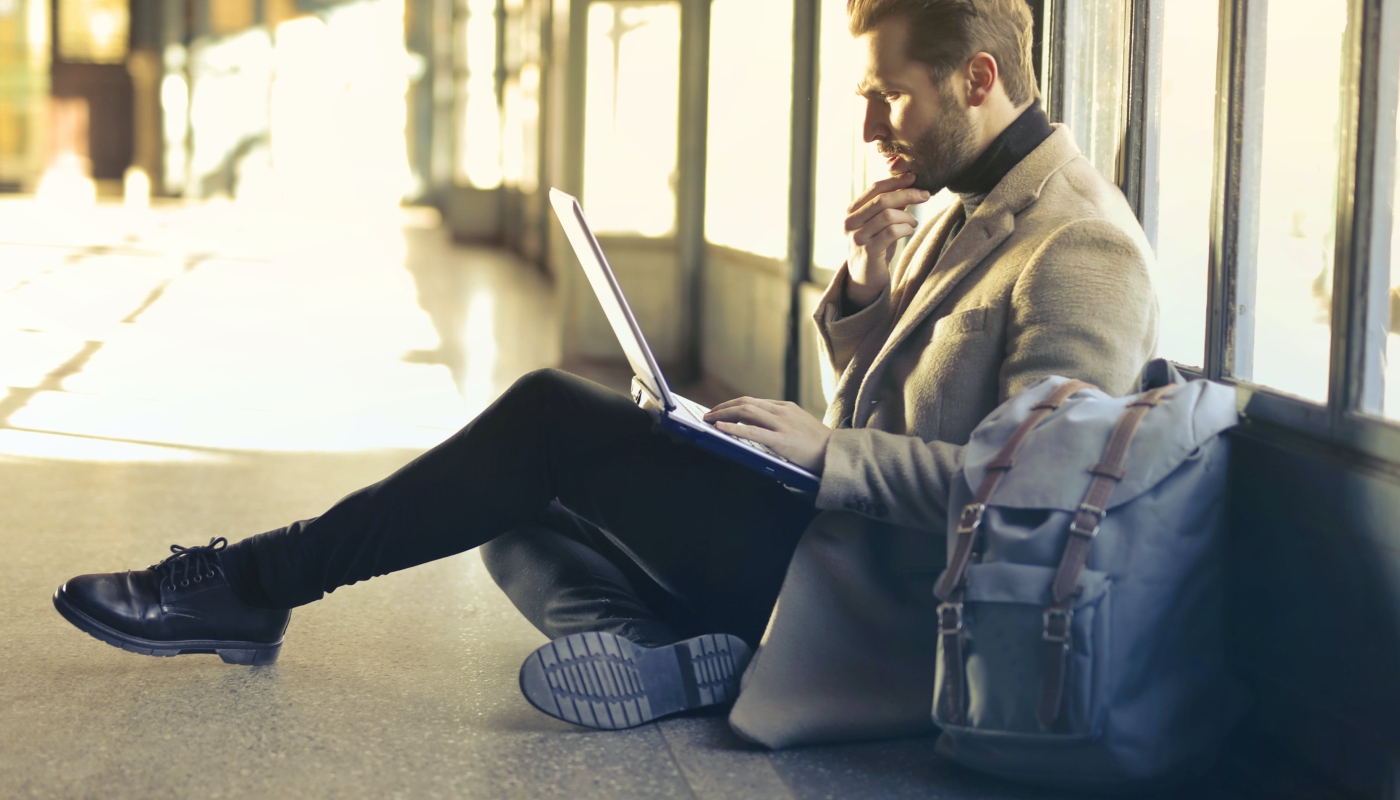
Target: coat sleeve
[[838, 336], [1083, 308]]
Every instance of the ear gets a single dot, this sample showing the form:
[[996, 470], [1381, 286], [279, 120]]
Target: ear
[[982, 72]]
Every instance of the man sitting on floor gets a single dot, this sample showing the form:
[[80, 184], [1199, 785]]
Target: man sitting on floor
[[658, 564]]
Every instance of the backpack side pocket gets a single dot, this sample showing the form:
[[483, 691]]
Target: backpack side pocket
[[1003, 626]]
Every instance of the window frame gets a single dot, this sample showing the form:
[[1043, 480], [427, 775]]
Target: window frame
[[1365, 179]]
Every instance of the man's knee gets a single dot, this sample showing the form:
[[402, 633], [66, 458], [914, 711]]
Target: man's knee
[[497, 555]]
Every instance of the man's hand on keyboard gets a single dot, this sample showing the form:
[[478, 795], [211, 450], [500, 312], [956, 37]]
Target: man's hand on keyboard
[[785, 428]]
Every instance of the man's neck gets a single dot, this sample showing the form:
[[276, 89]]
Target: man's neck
[[1013, 144]]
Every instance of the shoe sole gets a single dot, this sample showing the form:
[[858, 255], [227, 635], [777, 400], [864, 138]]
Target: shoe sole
[[248, 653], [601, 680]]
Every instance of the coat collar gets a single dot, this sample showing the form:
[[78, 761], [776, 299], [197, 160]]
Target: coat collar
[[932, 278]]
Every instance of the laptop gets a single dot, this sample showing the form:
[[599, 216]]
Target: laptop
[[673, 413]]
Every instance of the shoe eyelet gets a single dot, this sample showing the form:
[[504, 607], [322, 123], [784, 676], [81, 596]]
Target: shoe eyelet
[[185, 583], [198, 578]]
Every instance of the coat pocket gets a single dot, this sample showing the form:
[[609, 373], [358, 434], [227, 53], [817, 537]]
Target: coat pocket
[[1002, 642], [969, 321]]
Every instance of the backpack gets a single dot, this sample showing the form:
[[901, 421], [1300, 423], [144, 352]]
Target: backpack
[[1081, 630]]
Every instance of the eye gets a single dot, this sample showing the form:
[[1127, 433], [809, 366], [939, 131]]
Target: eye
[[890, 97]]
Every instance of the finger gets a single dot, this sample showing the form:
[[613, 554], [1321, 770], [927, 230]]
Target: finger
[[900, 201], [881, 187], [731, 403], [771, 405], [890, 235], [753, 415], [873, 231], [889, 216], [751, 432]]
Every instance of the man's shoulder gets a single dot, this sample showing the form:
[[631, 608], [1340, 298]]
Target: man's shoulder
[[1076, 196]]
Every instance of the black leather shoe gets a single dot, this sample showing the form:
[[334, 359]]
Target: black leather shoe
[[601, 680], [182, 605]]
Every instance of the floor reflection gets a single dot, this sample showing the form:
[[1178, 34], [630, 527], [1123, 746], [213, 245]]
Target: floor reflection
[[213, 326]]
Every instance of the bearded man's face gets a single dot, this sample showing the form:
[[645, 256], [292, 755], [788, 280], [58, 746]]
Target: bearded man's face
[[917, 122]]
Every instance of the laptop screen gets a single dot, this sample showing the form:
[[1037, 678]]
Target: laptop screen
[[609, 293]]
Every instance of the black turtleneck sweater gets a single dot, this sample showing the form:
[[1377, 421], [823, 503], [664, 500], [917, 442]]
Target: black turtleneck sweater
[[973, 184]]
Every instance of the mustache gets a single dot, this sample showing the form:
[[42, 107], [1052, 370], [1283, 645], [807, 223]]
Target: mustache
[[891, 149]]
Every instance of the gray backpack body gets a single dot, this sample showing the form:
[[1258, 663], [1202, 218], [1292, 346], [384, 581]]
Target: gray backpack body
[[1111, 672]]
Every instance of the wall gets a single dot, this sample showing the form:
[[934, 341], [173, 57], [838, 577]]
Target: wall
[[1317, 604], [743, 332]]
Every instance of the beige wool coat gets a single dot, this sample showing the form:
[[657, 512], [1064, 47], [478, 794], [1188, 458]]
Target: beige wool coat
[[1048, 277]]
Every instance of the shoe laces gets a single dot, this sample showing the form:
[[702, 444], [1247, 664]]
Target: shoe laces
[[190, 564]]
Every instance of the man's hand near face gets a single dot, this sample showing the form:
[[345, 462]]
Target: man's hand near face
[[781, 426], [876, 221]]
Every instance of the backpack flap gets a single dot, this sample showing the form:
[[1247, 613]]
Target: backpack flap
[[1052, 470]]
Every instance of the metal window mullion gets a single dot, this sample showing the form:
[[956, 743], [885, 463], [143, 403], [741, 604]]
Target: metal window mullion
[[1142, 129], [1053, 59], [806, 30], [1235, 203], [691, 166], [1361, 272]]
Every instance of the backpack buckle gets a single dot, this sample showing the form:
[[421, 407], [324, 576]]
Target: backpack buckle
[[971, 518], [950, 619], [1057, 622], [1089, 528]]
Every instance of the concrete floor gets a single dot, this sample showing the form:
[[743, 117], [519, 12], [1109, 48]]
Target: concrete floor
[[201, 371]]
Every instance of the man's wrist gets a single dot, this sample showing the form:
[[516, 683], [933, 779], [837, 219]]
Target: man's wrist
[[857, 297]]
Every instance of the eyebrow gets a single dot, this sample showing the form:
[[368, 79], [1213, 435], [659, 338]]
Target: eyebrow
[[870, 89]]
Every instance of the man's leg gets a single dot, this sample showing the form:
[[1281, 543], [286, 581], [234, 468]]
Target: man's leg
[[715, 535], [567, 577]]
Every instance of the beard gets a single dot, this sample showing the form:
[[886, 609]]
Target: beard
[[941, 153]]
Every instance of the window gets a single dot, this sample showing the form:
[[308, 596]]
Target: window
[[632, 117], [93, 31], [1389, 129], [1297, 199], [846, 164], [748, 161], [520, 149], [1186, 150], [1095, 33], [842, 157], [478, 112]]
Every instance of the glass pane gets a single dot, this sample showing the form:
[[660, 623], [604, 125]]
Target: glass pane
[[632, 117], [1392, 346], [1185, 163], [93, 31], [24, 90], [1096, 59], [479, 109], [841, 154], [747, 175], [1297, 197], [846, 165]]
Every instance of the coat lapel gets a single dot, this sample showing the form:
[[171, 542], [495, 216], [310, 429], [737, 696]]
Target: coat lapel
[[936, 278], [918, 257]]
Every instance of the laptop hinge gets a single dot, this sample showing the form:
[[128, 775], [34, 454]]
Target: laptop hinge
[[644, 398]]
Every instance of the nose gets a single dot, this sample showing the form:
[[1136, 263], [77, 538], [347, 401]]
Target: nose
[[877, 120]]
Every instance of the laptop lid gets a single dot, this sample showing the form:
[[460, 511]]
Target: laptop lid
[[609, 293]]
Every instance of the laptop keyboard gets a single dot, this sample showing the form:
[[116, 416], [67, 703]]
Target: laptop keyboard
[[698, 411]]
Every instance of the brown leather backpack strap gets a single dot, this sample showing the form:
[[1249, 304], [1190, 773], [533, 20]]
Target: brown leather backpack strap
[[971, 519], [1082, 530], [951, 584]]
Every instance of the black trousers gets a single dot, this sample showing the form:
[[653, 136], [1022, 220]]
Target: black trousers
[[592, 520]]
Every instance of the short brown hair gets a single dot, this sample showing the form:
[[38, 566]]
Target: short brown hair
[[945, 34]]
